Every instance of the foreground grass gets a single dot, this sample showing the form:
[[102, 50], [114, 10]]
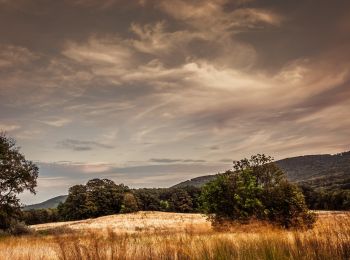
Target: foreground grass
[[153, 236]]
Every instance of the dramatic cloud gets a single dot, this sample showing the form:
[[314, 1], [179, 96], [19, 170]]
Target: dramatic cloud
[[186, 85]]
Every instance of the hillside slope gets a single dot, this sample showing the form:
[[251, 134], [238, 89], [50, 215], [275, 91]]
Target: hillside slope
[[328, 171], [51, 203], [325, 170]]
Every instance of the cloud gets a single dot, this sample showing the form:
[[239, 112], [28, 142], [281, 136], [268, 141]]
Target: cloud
[[59, 122], [11, 56], [155, 39], [167, 160], [9, 127], [79, 145], [212, 16]]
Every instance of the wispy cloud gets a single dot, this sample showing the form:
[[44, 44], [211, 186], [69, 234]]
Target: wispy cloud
[[167, 160], [11, 55], [79, 145]]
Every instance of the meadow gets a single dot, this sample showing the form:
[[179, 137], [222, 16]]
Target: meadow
[[160, 235]]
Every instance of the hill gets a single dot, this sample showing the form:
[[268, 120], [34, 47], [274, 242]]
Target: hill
[[325, 170], [51, 203], [196, 182]]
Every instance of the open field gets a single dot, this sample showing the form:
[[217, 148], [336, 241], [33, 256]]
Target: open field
[[159, 235]]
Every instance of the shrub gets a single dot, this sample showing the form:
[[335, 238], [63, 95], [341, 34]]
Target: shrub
[[285, 205], [256, 189], [129, 203], [19, 228]]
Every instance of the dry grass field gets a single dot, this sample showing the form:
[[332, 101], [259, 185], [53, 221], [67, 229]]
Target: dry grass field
[[159, 235]]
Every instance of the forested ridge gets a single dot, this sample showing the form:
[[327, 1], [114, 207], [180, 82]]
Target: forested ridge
[[323, 190]]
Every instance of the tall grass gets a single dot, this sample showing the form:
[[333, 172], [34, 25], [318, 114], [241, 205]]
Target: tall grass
[[330, 239]]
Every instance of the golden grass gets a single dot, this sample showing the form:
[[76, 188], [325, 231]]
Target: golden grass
[[157, 235]]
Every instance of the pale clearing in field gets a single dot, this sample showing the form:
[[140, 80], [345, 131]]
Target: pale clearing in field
[[159, 235], [135, 222]]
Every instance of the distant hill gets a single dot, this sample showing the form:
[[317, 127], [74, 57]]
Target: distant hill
[[196, 182], [325, 170], [51, 203]]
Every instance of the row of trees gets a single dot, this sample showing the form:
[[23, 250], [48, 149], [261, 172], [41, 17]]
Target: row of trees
[[187, 199], [255, 189], [39, 216], [104, 197], [323, 199]]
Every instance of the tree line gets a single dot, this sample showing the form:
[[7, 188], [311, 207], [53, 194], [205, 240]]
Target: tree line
[[255, 188]]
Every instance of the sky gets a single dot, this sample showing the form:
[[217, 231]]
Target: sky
[[153, 92]]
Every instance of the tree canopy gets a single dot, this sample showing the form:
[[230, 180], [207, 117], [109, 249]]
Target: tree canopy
[[16, 175], [98, 197], [255, 189]]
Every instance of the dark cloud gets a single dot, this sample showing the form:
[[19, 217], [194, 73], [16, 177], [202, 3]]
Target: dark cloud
[[167, 160], [164, 160], [79, 145]]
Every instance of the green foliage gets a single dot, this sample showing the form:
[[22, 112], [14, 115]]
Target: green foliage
[[185, 199], [324, 199], [164, 205], [104, 197], [180, 201], [16, 175], [96, 198], [77, 205], [129, 203], [286, 206], [39, 216], [255, 189], [148, 199]]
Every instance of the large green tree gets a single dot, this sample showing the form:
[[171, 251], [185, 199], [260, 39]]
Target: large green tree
[[255, 189], [16, 175]]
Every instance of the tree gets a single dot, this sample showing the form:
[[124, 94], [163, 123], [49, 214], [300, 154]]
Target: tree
[[39, 216], [106, 196], [255, 189], [129, 203], [149, 199], [99, 197], [180, 201], [77, 205], [285, 205], [233, 196], [16, 175]]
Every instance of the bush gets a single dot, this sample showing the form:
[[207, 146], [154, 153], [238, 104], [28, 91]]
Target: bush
[[19, 228], [285, 205], [129, 203], [256, 189]]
